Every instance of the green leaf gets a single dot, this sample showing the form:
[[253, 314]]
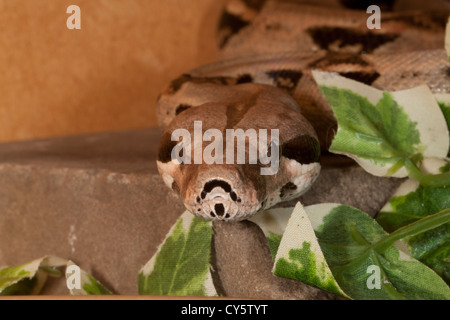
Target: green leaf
[[445, 107], [445, 168], [382, 132], [410, 203], [181, 265], [387, 133], [28, 278], [444, 104], [274, 241], [94, 287], [351, 245]]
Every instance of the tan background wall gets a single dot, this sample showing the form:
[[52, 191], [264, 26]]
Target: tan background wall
[[104, 77]]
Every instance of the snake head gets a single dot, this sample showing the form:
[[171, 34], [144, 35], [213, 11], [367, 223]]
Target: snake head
[[283, 167], [233, 192]]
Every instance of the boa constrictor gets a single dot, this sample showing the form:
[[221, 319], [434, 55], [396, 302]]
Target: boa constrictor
[[264, 81]]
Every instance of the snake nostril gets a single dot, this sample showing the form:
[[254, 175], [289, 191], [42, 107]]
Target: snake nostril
[[219, 208]]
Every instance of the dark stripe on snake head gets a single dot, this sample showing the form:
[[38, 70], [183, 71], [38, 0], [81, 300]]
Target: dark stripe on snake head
[[216, 183], [304, 149], [165, 148]]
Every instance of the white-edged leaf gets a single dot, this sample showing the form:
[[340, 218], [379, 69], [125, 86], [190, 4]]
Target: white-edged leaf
[[299, 255], [381, 129], [337, 248], [181, 265], [28, 278]]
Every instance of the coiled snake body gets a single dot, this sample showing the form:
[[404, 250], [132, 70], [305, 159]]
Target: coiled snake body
[[264, 81]]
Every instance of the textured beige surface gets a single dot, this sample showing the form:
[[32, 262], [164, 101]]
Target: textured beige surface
[[106, 76]]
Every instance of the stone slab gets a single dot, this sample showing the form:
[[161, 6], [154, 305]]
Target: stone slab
[[99, 201]]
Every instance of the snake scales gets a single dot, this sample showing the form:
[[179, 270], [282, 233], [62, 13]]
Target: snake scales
[[263, 81]]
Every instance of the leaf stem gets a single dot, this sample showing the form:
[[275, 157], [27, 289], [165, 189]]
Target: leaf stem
[[428, 180], [420, 226]]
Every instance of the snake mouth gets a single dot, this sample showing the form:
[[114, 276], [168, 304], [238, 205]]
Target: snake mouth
[[221, 208], [218, 201]]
